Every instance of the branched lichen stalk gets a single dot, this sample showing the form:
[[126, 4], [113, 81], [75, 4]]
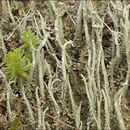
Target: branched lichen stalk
[[4, 7], [41, 83], [91, 104], [93, 69], [10, 12], [77, 117], [74, 107], [3, 44], [76, 110], [37, 27], [85, 24], [87, 35], [117, 108], [39, 109], [59, 12], [33, 62], [79, 22], [50, 87], [127, 39], [43, 119], [64, 59], [45, 33], [107, 112], [8, 88], [106, 83], [31, 117]]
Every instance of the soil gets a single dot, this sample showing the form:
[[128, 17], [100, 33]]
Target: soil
[[11, 30]]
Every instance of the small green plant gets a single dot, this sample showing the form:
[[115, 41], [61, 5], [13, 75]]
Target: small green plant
[[16, 66], [28, 37], [14, 125]]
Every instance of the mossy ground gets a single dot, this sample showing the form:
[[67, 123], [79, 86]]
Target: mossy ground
[[11, 30]]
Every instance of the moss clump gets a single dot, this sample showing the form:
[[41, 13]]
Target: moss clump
[[16, 66]]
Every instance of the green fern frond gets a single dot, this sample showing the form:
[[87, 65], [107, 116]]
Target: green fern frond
[[16, 65], [27, 36]]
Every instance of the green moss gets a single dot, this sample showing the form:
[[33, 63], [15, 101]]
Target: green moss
[[16, 66], [14, 125], [27, 36]]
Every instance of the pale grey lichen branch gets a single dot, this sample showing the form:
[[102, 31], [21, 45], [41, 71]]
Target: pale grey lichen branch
[[64, 60], [92, 104], [43, 119], [3, 44], [10, 12], [33, 50], [39, 110], [74, 107], [50, 87], [106, 83], [30, 112], [40, 64], [87, 35], [127, 39], [59, 12], [4, 7], [117, 107], [8, 90], [43, 26], [107, 111], [77, 117], [78, 34]]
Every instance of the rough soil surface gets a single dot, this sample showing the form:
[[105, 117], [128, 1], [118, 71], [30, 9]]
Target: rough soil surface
[[92, 68]]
